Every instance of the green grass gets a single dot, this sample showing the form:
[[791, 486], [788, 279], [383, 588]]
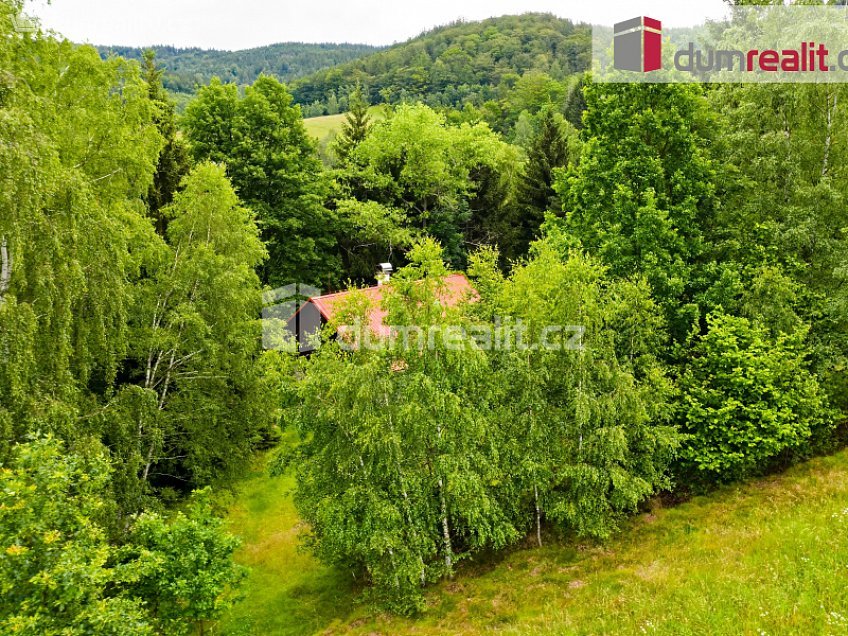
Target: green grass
[[766, 557], [287, 592], [321, 127]]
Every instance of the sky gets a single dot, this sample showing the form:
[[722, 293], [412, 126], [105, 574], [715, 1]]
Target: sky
[[224, 24]]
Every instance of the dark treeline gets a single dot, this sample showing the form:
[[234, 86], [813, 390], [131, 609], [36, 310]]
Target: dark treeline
[[187, 68]]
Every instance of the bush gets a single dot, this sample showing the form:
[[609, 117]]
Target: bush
[[187, 576], [54, 557], [60, 575], [748, 399]]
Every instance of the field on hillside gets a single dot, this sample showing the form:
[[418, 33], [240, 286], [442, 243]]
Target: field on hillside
[[767, 557], [321, 127]]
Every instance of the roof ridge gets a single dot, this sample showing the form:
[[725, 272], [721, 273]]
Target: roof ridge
[[372, 287]]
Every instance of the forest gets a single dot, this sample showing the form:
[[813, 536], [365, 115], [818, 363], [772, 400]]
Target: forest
[[696, 234], [187, 68]]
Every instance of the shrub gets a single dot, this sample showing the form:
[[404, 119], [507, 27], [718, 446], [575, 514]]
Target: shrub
[[748, 399]]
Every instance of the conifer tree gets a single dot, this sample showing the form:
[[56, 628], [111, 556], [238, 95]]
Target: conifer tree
[[173, 162], [575, 103], [356, 126], [549, 150]]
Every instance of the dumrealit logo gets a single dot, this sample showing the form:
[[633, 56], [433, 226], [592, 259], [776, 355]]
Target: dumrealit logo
[[769, 43], [637, 45]]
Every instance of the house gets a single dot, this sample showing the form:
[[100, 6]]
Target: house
[[317, 311]]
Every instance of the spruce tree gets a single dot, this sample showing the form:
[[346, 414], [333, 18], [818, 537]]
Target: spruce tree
[[575, 103], [356, 126], [549, 150], [173, 162]]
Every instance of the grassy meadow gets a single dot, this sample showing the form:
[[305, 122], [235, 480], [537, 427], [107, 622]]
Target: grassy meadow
[[320, 128], [766, 557]]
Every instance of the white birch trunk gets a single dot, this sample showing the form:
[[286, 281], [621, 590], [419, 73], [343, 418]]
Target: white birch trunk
[[5, 269], [538, 516], [448, 546]]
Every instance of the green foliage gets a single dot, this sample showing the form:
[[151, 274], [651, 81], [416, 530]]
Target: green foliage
[[274, 167], [397, 474], [748, 399], [191, 407], [787, 208], [415, 455], [553, 147], [461, 63], [713, 221], [78, 155], [187, 576], [448, 181], [184, 70], [55, 569], [60, 575], [356, 126], [173, 158], [585, 425], [645, 189], [575, 103]]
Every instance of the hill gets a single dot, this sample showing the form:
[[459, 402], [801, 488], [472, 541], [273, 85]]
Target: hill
[[769, 556], [186, 68], [459, 63]]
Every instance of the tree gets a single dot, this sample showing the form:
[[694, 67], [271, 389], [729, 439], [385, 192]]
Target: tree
[[55, 563], [332, 104], [397, 475], [584, 413], [551, 148], [475, 63], [434, 446], [534, 91], [60, 575], [645, 189], [190, 408], [80, 149], [748, 400], [450, 182], [190, 67], [356, 126], [173, 162], [273, 165], [187, 574], [787, 209], [575, 103]]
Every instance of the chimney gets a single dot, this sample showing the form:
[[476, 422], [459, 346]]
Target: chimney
[[385, 273]]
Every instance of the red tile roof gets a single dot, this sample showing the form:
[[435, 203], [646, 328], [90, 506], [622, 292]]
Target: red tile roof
[[457, 288]]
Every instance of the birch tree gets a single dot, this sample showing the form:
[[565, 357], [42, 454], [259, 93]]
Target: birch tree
[[398, 471], [192, 409], [587, 416]]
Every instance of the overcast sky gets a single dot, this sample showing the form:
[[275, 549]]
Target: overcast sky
[[224, 24]]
